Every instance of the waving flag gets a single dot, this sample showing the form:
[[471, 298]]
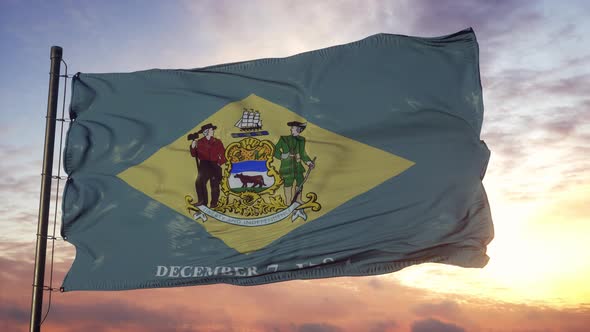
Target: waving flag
[[357, 159]]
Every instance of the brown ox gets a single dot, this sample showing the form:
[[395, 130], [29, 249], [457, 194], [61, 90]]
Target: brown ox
[[256, 180]]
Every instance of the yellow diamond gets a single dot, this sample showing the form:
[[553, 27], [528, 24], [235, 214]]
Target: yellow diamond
[[344, 169]]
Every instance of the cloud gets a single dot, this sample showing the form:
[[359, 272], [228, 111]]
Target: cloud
[[123, 315], [20, 186], [334, 22], [254, 29], [550, 144], [318, 327], [432, 15], [513, 85], [20, 251], [337, 304], [445, 309], [577, 61], [433, 325], [13, 316], [383, 326], [376, 283], [566, 86], [519, 20], [14, 269]]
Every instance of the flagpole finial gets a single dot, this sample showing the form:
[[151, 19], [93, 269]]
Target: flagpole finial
[[56, 52]]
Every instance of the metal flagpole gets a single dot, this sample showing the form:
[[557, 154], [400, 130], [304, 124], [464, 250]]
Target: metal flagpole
[[46, 177]]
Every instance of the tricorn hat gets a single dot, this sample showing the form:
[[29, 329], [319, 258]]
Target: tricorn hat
[[297, 124], [207, 126]]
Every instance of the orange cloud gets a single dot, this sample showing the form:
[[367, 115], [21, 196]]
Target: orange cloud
[[377, 304]]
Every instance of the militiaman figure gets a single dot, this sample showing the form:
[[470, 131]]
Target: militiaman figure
[[291, 151], [210, 155]]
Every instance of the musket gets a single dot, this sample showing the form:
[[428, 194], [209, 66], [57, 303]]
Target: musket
[[300, 187], [197, 156]]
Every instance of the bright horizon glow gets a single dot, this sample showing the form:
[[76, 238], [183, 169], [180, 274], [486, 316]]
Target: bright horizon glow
[[528, 265]]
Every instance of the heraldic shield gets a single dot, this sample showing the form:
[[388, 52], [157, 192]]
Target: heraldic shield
[[261, 172]]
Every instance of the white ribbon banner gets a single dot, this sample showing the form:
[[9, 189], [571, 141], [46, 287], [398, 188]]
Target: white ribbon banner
[[205, 211]]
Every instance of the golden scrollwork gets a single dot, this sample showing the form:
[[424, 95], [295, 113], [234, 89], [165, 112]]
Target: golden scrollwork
[[258, 207], [249, 148], [188, 199], [311, 202]]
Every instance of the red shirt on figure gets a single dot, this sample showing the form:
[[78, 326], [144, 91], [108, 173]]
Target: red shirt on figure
[[209, 149]]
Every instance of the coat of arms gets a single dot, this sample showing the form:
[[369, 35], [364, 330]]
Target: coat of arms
[[246, 176]]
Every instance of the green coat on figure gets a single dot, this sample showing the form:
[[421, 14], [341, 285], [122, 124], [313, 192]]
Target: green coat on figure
[[291, 151]]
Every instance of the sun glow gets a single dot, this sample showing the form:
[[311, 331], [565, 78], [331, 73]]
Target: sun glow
[[539, 255]]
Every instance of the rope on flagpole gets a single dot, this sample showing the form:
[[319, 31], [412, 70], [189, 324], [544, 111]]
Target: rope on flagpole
[[58, 178]]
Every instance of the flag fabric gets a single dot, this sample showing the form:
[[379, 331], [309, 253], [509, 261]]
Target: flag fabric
[[353, 160]]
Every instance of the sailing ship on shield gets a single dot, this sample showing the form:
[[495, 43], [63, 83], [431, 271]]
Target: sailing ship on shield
[[250, 124], [250, 183]]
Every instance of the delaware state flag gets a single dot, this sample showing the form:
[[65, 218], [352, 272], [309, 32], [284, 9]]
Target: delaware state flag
[[357, 159]]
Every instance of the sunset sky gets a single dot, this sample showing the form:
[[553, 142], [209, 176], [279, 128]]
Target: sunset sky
[[535, 70]]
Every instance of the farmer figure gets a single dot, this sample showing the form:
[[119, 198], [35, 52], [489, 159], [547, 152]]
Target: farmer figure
[[210, 155], [291, 151]]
